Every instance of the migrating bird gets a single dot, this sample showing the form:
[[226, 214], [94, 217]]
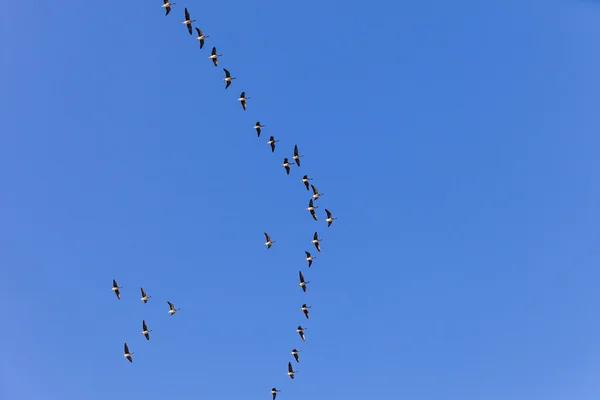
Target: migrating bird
[[167, 6], [243, 99], [305, 309], [145, 331], [305, 179], [144, 296], [257, 127], [274, 392], [172, 310], [116, 288], [269, 242], [311, 207], [302, 283], [316, 241], [188, 21], [300, 331], [309, 258], [295, 354], [214, 56], [201, 37], [329, 218], [127, 354], [297, 155], [228, 78], [286, 164], [316, 194], [291, 372], [272, 142]]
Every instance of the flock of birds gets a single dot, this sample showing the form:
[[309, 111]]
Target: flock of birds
[[214, 56]]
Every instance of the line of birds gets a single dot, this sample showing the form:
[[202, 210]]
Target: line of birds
[[214, 56]]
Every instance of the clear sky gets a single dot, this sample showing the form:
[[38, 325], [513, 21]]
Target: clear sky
[[456, 142]]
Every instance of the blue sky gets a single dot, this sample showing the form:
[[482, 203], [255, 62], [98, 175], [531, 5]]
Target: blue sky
[[455, 141]]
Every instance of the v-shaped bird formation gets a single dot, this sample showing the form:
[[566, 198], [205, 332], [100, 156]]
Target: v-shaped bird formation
[[269, 242]]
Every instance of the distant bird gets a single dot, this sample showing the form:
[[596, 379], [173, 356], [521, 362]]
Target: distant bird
[[145, 331], [116, 288], [295, 354], [316, 241], [228, 78], [302, 283], [305, 308], [305, 179], [274, 392], [243, 99], [316, 194], [309, 258], [300, 331], [127, 354], [172, 309], [257, 127], [214, 56], [144, 296], [311, 207], [286, 164], [272, 142], [188, 21], [167, 6], [291, 372], [329, 219], [269, 242], [201, 37], [297, 155]]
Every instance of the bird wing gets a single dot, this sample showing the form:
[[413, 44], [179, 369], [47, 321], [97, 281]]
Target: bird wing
[[126, 349], [171, 305], [227, 74], [143, 292], [118, 293], [201, 43], [244, 104], [301, 276], [199, 31], [306, 314], [306, 184], [268, 237], [144, 326], [215, 61], [316, 236], [309, 263], [243, 95], [307, 254], [315, 191], [296, 357], [190, 28], [314, 214], [328, 213], [290, 367], [115, 283], [187, 15], [227, 85], [168, 9], [214, 51]]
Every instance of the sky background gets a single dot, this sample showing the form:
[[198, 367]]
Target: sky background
[[457, 143]]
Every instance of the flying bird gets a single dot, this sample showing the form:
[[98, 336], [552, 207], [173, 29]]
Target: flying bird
[[269, 242], [309, 258], [300, 331], [127, 354], [274, 392], [116, 288], [272, 142], [291, 372], [145, 331], [295, 354], [302, 283], [167, 6], [311, 207], [316, 194], [305, 179], [214, 56], [188, 21], [286, 164], [257, 127], [242, 99], [305, 308], [201, 37], [228, 78], [144, 296], [172, 309], [329, 219], [297, 155], [316, 241]]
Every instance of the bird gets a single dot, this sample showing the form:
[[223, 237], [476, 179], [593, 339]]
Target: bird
[[116, 288], [127, 354], [167, 6], [300, 331], [316, 241], [309, 258], [243, 99], [291, 372], [272, 142], [214, 56], [145, 331], [295, 354], [172, 309], [305, 179], [144, 296], [297, 155], [311, 207], [316, 194], [286, 164], [305, 308], [257, 127], [228, 78], [269, 242], [188, 21], [201, 37], [302, 283], [329, 219], [274, 392]]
